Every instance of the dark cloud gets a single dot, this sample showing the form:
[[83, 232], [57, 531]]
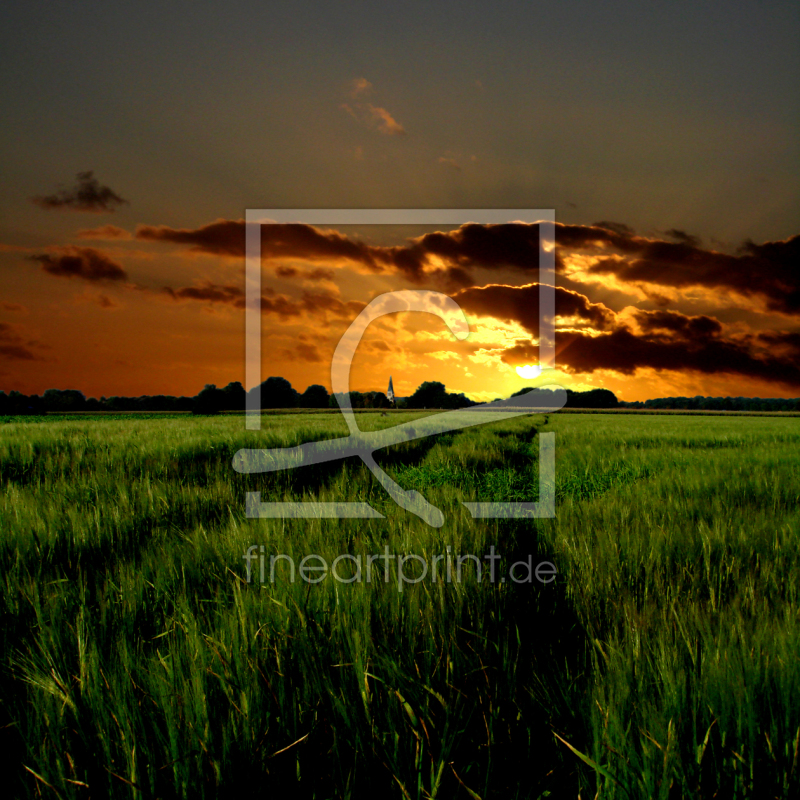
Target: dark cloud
[[281, 306], [315, 302], [512, 245], [87, 195], [104, 301], [234, 296], [521, 304], [683, 237], [656, 298], [208, 292], [17, 352], [13, 346], [310, 303], [678, 324], [13, 307], [318, 274], [781, 342], [767, 272], [85, 263], [227, 237], [104, 233], [599, 237], [223, 237], [458, 277], [617, 227], [665, 340], [624, 351]]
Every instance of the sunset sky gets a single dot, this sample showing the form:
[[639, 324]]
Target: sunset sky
[[664, 136]]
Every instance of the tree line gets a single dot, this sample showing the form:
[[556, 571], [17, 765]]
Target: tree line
[[277, 392], [593, 398], [700, 403]]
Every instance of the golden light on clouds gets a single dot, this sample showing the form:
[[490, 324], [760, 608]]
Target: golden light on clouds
[[316, 280]]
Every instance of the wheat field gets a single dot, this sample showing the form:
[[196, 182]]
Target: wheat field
[[662, 661]]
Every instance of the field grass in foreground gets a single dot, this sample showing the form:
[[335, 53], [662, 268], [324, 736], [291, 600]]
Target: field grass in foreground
[[663, 661]]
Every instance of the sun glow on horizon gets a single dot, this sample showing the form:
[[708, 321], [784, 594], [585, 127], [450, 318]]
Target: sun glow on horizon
[[529, 371]]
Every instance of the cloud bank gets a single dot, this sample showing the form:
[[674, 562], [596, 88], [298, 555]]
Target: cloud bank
[[87, 195]]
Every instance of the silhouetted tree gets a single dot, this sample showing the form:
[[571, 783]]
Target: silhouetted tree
[[278, 393], [234, 396], [64, 400], [432, 394], [315, 396], [594, 398], [375, 400], [457, 400], [209, 400], [362, 400]]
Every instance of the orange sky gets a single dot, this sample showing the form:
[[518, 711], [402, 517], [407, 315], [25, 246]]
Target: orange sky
[[642, 316], [667, 145]]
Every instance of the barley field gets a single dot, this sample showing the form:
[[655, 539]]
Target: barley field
[[661, 661]]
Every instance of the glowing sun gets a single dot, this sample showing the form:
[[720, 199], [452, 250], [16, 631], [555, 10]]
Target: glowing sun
[[529, 371]]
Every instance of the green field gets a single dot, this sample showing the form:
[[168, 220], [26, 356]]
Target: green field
[[662, 662]]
